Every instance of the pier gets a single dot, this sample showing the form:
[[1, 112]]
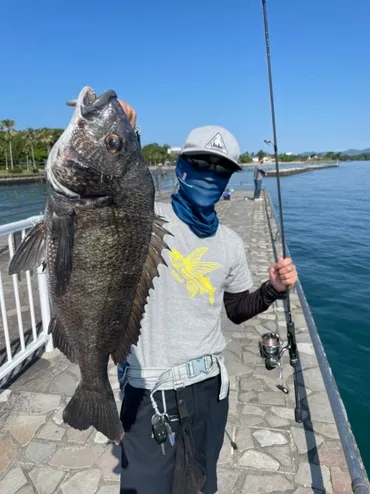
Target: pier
[[265, 450]]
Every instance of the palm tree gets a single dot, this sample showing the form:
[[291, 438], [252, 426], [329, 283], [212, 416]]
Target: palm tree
[[31, 140], [4, 150], [9, 134], [47, 138]]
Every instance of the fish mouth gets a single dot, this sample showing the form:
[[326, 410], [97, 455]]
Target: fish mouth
[[87, 102]]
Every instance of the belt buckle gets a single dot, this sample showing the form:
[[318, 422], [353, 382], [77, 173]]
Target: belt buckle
[[196, 367]]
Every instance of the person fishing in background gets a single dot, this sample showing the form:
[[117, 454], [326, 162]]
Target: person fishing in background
[[259, 174], [175, 382]]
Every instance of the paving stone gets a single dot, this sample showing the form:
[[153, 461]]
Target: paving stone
[[331, 455], [64, 383], [247, 396], [38, 451], [12, 481], [100, 438], [305, 440], [319, 408], [46, 479], [253, 410], [246, 420], [306, 348], [76, 436], [8, 453], [4, 395], [24, 427], [271, 398], [110, 463], [255, 459], [33, 403], [266, 437], [226, 480], [251, 358], [52, 432], [76, 457], [310, 475], [266, 483], [313, 379], [284, 413], [27, 489], [276, 422], [250, 384], [58, 417], [243, 439], [341, 481], [282, 454], [307, 361], [82, 482], [109, 489], [329, 430]]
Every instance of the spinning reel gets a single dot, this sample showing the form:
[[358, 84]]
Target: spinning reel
[[271, 350]]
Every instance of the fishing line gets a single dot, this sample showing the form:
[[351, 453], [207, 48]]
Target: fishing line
[[292, 344]]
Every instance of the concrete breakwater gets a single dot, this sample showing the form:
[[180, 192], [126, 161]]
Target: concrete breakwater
[[284, 172], [265, 450], [22, 179], [40, 177]]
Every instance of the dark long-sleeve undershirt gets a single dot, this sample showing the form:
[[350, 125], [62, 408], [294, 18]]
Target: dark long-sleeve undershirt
[[244, 305]]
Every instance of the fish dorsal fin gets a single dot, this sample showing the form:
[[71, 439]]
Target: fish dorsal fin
[[148, 273], [31, 251]]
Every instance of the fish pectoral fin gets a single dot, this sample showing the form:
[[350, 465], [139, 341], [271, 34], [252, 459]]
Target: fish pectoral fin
[[192, 288], [148, 273], [63, 237], [60, 340], [31, 251]]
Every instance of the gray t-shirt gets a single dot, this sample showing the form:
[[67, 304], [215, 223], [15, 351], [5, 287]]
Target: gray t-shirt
[[182, 318], [258, 173]]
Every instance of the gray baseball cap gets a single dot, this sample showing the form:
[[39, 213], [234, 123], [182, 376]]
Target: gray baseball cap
[[213, 139]]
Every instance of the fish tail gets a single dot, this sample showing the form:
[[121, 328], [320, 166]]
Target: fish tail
[[94, 408]]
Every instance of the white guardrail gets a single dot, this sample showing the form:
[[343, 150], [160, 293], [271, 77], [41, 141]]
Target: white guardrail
[[8, 297]]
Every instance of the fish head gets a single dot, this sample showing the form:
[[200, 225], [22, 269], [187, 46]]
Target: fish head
[[98, 147]]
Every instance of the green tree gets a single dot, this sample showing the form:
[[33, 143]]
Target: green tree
[[245, 158], [261, 154], [9, 125]]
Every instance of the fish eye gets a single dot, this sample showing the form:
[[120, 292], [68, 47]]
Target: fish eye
[[113, 143]]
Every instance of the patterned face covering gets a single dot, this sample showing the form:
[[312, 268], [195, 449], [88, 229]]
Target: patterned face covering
[[201, 184]]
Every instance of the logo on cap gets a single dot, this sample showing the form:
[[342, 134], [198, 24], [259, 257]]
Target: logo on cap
[[217, 144]]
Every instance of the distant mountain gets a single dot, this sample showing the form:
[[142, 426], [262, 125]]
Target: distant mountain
[[353, 152], [348, 152]]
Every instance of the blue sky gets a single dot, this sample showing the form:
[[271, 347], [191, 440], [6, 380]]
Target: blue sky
[[192, 63]]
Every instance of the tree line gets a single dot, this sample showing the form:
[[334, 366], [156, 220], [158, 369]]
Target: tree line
[[25, 148], [30, 148]]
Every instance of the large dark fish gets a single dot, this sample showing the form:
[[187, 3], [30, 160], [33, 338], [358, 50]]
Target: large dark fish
[[101, 243]]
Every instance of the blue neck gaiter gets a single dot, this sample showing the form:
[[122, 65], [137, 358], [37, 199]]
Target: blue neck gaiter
[[195, 200]]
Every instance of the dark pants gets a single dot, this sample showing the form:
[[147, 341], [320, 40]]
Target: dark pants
[[257, 188], [145, 470]]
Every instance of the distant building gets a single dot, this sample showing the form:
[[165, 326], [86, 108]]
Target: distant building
[[266, 159], [174, 150]]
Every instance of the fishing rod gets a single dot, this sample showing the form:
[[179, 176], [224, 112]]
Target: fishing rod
[[270, 346]]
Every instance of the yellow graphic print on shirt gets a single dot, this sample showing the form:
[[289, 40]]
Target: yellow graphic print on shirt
[[192, 270]]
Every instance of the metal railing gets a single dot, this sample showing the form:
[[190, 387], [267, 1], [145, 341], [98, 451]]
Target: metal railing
[[15, 354], [360, 483]]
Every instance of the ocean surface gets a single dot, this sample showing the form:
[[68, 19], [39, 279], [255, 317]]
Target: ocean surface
[[327, 223]]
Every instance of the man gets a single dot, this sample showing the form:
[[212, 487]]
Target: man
[[259, 173], [175, 383]]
